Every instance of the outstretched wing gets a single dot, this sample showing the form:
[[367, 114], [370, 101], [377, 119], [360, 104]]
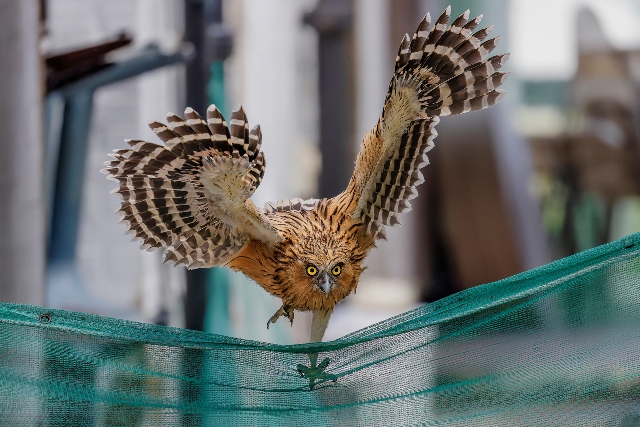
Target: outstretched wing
[[438, 72], [191, 196]]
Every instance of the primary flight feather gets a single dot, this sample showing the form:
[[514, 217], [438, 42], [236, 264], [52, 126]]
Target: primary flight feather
[[191, 196]]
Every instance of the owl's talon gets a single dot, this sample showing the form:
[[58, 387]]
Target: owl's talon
[[285, 311], [315, 373]]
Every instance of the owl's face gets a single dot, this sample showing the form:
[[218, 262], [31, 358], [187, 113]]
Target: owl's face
[[317, 263], [327, 272], [321, 271]]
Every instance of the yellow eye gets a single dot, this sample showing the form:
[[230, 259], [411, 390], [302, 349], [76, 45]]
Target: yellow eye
[[311, 270], [336, 270]]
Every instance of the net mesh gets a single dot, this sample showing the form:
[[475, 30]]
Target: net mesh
[[555, 346]]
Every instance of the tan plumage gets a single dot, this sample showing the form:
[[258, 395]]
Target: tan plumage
[[191, 196]]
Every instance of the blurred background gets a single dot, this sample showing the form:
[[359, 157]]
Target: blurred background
[[552, 170]]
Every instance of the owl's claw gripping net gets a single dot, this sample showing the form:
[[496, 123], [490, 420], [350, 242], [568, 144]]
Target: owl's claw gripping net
[[285, 311], [315, 374]]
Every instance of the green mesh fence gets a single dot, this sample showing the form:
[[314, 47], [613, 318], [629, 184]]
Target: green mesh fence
[[555, 346]]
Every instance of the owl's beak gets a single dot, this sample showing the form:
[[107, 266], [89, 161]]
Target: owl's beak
[[326, 286]]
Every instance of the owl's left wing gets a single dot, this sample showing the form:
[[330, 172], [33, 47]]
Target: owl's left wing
[[191, 196], [440, 71]]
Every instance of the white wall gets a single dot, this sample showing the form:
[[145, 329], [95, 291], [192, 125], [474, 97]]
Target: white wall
[[273, 74], [543, 33]]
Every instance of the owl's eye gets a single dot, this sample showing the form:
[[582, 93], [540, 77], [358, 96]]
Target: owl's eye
[[336, 270], [311, 270]]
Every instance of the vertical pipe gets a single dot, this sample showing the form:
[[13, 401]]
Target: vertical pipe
[[195, 301], [69, 180], [22, 212], [205, 85], [333, 20], [197, 73]]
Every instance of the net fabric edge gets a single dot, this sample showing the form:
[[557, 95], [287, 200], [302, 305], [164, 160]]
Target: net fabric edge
[[84, 323]]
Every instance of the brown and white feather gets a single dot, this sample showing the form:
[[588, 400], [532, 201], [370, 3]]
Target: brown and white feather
[[191, 196], [439, 72]]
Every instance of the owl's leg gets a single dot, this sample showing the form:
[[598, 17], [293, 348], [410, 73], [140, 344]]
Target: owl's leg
[[285, 311], [319, 323], [315, 372]]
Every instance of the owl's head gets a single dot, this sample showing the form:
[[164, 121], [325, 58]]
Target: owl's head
[[318, 267]]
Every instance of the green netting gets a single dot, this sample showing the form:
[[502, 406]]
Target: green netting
[[559, 345]]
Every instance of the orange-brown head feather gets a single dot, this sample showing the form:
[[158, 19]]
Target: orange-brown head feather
[[317, 263]]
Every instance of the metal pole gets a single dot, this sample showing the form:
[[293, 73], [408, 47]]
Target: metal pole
[[333, 19], [195, 299], [212, 43], [22, 209]]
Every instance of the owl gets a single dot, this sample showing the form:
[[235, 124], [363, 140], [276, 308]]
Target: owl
[[191, 197]]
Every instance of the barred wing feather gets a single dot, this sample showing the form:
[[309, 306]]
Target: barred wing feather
[[191, 195], [439, 72]]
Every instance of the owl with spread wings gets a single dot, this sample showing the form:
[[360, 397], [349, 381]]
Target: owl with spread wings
[[191, 196]]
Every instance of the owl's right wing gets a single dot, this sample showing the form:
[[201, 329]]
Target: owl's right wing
[[438, 72], [191, 196]]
